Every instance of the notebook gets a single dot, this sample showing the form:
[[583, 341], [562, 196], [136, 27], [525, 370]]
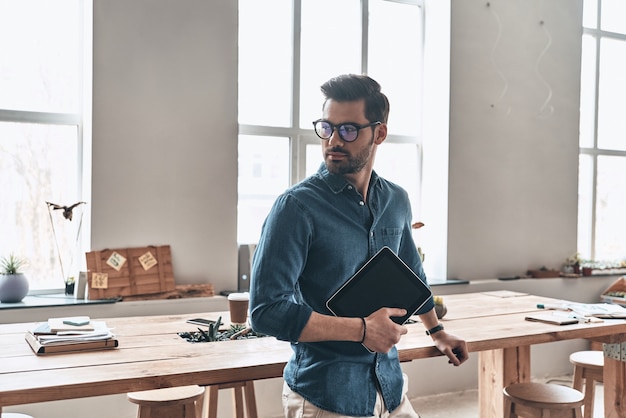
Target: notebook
[[384, 281], [551, 318]]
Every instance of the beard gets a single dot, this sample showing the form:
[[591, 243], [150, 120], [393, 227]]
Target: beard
[[352, 163]]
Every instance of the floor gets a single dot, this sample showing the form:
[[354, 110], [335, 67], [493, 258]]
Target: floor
[[465, 404]]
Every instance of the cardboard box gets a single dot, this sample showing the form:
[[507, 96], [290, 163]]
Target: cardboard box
[[129, 271], [616, 293]]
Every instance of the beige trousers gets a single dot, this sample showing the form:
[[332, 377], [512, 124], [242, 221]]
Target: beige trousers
[[295, 406]]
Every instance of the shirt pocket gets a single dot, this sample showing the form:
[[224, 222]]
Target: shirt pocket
[[392, 237]]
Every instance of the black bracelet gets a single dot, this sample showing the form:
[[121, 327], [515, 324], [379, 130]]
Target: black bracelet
[[433, 330], [364, 330]]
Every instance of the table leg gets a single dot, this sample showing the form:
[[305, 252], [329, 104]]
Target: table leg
[[498, 369], [614, 387]]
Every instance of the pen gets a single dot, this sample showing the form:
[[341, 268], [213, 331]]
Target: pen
[[558, 307]]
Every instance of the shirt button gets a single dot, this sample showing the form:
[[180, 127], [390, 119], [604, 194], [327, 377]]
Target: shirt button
[[361, 203], [349, 187]]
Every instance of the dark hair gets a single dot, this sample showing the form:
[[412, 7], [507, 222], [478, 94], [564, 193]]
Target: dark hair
[[352, 87]]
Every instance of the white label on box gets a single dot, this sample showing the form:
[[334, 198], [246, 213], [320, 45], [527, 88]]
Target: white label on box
[[116, 261], [99, 281], [147, 261]]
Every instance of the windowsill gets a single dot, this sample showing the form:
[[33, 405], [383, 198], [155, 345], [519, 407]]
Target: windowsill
[[447, 282], [40, 301], [37, 308]]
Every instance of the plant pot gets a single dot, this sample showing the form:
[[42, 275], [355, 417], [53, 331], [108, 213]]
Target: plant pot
[[69, 288], [13, 287], [441, 311]]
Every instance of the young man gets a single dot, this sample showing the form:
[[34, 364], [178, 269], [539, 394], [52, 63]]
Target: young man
[[317, 235]]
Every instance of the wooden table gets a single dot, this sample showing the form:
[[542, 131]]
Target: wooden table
[[151, 355]]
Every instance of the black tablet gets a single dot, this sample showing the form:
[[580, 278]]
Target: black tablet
[[384, 281]]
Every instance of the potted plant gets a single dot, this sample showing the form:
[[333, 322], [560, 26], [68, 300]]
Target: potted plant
[[440, 308], [69, 285], [13, 283]]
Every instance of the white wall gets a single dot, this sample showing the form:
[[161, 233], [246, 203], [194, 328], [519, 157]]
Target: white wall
[[514, 103], [165, 132]]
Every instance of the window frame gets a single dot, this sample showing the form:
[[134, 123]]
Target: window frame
[[588, 247], [82, 121], [299, 137]]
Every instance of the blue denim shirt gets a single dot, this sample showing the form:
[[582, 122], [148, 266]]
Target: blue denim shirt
[[316, 236]]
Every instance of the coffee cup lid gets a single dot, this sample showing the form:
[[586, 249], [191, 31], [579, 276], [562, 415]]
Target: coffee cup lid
[[239, 296]]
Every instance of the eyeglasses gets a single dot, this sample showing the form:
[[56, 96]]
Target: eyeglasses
[[348, 132]]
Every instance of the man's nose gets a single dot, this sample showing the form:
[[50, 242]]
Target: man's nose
[[335, 139]]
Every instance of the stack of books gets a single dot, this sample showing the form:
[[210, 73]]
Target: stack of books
[[80, 333]]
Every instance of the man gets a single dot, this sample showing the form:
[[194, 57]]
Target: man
[[317, 235]]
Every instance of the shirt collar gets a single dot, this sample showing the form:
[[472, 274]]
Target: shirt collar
[[337, 183]]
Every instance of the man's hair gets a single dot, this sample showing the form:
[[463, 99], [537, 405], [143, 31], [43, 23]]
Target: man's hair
[[352, 87]]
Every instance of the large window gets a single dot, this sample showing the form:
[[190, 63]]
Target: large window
[[287, 49], [602, 165], [42, 133]]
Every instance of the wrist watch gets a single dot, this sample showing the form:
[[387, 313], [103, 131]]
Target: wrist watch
[[435, 329]]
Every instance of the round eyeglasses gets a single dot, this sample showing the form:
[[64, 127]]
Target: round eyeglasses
[[348, 132]]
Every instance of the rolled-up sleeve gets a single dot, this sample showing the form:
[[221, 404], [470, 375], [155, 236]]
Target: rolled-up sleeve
[[275, 308]]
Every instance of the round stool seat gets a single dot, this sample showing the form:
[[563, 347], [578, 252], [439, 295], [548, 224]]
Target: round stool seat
[[533, 399], [588, 369], [590, 359], [169, 396], [177, 402]]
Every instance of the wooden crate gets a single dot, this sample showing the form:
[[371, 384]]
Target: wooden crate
[[130, 271]]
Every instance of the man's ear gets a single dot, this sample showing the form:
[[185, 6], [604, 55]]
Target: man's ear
[[381, 134]]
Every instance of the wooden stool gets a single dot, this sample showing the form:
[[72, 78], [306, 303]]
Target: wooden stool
[[542, 400], [177, 402], [241, 390], [588, 366]]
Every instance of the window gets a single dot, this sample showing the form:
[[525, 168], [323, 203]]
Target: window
[[42, 131], [287, 49], [602, 161]]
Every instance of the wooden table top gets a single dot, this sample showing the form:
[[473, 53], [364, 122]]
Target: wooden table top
[[151, 355]]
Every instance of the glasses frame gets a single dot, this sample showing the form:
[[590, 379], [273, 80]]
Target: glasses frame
[[339, 127]]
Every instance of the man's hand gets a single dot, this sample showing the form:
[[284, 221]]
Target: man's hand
[[452, 346], [381, 332]]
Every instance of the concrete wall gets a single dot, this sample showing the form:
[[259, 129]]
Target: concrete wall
[[514, 113], [165, 132]]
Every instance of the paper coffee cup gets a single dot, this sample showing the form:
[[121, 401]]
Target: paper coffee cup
[[238, 306]]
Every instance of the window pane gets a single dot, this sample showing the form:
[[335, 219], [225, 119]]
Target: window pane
[[265, 62], [587, 91], [590, 13], [614, 16], [331, 45], [400, 164], [610, 208], [314, 158], [40, 44], [39, 164], [398, 69], [612, 90], [263, 175]]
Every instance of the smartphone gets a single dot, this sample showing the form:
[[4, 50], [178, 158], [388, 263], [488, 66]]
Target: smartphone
[[201, 321]]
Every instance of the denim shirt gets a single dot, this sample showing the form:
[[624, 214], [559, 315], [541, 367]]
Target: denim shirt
[[316, 236]]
